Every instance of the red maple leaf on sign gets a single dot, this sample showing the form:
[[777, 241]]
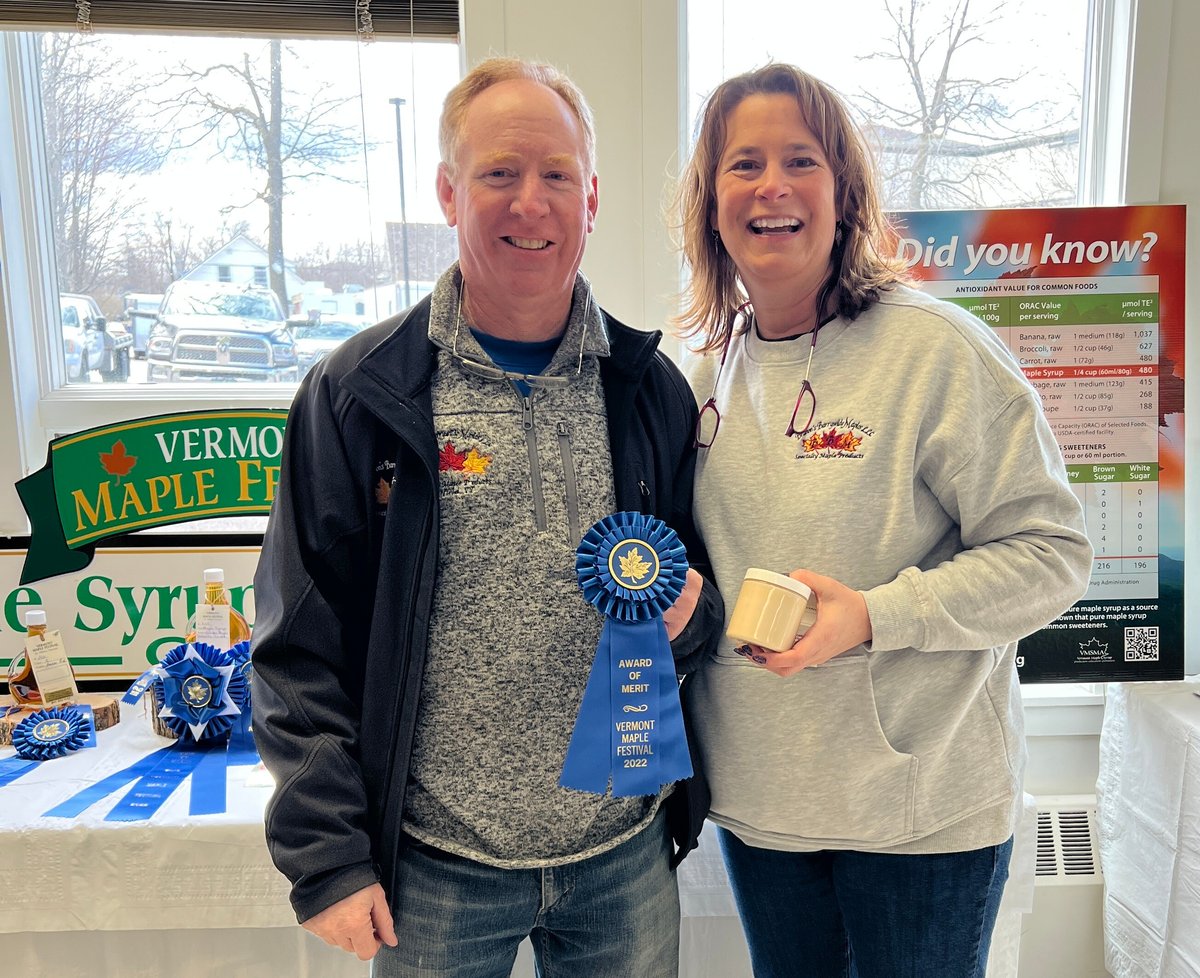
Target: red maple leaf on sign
[[117, 462], [450, 459]]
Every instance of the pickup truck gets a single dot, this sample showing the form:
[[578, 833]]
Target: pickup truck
[[220, 331], [90, 342]]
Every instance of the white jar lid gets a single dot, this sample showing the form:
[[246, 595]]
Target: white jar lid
[[214, 575], [35, 616], [779, 580]]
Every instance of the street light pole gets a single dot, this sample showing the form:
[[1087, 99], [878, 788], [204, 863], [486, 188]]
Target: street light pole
[[397, 102]]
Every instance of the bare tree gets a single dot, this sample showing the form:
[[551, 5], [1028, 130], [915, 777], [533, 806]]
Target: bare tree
[[163, 249], [945, 134], [95, 140], [244, 108], [358, 264]]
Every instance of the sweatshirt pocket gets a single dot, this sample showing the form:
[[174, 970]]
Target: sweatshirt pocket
[[805, 759]]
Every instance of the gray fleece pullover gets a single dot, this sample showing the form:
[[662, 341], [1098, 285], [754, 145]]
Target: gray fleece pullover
[[931, 482], [511, 639]]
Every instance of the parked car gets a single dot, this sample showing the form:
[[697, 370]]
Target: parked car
[[315, 340], [220, 331], [90, 342]]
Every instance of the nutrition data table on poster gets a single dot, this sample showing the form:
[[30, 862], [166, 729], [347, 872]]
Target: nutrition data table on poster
[[1090, 348]]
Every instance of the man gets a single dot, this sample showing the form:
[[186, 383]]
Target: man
[[422, 646]]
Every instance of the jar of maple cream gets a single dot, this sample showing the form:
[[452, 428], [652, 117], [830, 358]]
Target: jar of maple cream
[[772, 610]]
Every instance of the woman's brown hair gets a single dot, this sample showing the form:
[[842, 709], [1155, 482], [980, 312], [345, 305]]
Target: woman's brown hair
[[861, 268]]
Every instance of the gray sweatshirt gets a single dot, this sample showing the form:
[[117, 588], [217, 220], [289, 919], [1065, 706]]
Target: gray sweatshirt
[[931, 482]]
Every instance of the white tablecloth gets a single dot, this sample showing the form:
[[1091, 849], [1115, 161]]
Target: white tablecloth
[[197, 897], [1148, 795]]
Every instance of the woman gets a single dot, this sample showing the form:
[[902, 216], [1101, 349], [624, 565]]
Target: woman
[[885, 449]]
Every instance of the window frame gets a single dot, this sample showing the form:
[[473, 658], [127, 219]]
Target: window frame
[[1127, 37]]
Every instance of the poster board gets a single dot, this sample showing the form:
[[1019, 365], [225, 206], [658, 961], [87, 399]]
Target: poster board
[[1091, 303]]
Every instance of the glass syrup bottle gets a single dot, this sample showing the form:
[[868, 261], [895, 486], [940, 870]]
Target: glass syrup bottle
[[223, 631], [22, 684]]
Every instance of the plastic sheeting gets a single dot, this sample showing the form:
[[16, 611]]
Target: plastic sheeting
[[1148, 798]]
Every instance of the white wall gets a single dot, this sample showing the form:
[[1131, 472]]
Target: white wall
[[626, 57], [1179, 183]]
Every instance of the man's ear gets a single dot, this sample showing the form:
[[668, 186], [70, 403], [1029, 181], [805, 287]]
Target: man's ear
[[445, 192], [593, 201]]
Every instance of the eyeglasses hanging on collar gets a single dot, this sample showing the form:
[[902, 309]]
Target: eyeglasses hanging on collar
[[708, 423], [489, 371]]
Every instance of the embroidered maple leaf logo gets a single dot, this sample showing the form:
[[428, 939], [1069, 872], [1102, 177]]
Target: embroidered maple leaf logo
[[383, 491], [475, 463], [841, 441], [450, 459], [118, 462], [632, 565]]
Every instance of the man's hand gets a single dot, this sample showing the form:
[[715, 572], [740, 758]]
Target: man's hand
[[679, 614], [360, 923]]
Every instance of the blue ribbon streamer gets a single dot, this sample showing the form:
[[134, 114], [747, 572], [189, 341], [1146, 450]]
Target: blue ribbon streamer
[[208, 782], [629, 730], [83, 800], [12, 768], [153, 788]]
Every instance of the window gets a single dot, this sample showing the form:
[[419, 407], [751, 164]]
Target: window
[[966, 104], [146, 160]]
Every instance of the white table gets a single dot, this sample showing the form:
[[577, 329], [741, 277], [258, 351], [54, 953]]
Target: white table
[[1148, 795], [197, 896]]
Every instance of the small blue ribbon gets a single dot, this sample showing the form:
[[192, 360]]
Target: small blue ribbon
[[45, 735], [629, 730]]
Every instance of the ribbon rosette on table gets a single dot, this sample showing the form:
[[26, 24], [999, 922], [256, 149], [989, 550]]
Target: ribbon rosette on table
[[200, 690], [629, 730], [202, 695], [45, 735]]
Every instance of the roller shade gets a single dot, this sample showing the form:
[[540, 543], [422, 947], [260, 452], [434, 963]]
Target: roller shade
[[418, 18]]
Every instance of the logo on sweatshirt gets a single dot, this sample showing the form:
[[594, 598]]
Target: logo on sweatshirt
[[467, 460], [836, 438], [385, 473]]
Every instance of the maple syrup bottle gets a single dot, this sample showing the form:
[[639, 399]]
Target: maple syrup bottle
[[22, 684], [223, 631]]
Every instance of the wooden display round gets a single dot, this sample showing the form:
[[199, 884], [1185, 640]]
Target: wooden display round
[[105, 708]]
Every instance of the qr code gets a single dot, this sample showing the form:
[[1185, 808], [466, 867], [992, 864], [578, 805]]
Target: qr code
[[1141, 644]]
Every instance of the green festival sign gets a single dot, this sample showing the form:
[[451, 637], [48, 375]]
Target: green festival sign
[[132, 475]]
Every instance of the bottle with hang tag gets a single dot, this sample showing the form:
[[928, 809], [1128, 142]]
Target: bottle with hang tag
[[54, 670], [216, 622]]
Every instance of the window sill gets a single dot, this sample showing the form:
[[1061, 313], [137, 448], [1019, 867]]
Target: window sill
[[1063, 710]]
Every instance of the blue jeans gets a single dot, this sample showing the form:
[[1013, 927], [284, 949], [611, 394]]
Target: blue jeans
[[834, 914], [615, 915]]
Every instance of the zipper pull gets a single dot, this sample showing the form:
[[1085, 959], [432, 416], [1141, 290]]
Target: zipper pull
[[645, 488], [527, 413], [564, 431]]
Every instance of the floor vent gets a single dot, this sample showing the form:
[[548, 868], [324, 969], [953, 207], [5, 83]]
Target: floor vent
[[1066, 844]]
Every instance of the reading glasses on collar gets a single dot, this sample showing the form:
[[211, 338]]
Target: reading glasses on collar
[[489, 371], [708, 423]]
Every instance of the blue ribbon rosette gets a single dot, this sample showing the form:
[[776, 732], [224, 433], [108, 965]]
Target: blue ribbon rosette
[[200, 691], [202, 694], [629, 730], [45, 735], [48, 734]]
